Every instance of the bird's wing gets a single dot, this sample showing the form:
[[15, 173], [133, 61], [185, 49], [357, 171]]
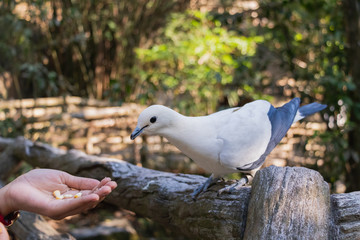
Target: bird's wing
[[281, 120], [252, 132], [244, 134], [222, 118]]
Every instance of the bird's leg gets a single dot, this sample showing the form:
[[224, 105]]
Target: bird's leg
[[236, 186], [210, 181]]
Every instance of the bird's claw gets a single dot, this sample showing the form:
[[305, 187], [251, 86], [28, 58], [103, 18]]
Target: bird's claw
[[197, 191], [228, 189], [233, 187], [210, 181]]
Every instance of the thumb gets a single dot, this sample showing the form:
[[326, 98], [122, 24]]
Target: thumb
[[3, 233]]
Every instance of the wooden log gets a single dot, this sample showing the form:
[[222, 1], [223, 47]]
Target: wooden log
[[51, 101], [288, 203], [283, 203], [31, 102], [346, 215], [163, 197], [34, 226], [93, 113], [47, 109], [8, 161]]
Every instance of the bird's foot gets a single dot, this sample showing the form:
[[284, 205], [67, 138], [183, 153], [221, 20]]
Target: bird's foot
[[235, 186], [210, 181]]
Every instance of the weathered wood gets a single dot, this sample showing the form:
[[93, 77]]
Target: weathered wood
[[45, 109], [92, 113], [163, 197], [102, 232], [283, 203], [8, 161], [351, 13], [31, 226], [287, 203], [51, 101], [346, 215]]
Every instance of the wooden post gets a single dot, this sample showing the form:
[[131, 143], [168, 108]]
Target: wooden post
[[346, 215], [288, 203]]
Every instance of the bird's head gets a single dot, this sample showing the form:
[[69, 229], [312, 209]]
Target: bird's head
[[153, 120]]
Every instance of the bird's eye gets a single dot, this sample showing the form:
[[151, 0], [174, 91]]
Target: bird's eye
[[153, 119]]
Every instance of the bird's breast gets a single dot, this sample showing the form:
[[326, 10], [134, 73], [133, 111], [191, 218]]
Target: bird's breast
[[201, 145]]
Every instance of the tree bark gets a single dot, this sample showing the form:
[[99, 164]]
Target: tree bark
[[287, 203], [52, 102], [8, 161], [346, 215], [31, 226], [283, 203], [351, 9]]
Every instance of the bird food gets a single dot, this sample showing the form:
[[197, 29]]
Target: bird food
[[78, 195], [57, 194], [68, 196]]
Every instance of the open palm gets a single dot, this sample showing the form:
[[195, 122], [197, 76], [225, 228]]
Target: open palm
[[33, 192]]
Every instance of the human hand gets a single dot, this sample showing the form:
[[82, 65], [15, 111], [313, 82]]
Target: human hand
[[33, 192]]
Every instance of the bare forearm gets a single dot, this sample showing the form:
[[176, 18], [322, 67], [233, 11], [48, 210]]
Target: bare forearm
[[5, 207]]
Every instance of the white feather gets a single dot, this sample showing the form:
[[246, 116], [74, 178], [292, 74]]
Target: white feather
[[298, 117]]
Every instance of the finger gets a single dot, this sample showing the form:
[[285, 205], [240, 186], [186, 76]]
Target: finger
[[103, 191], [112, 185], [69, 207], [106, 189], [80, 182], [102, 183], [3, 233]]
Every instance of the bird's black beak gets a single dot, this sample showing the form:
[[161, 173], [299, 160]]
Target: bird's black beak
[[137, 131]]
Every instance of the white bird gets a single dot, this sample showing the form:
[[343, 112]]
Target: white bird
[[232, 140]]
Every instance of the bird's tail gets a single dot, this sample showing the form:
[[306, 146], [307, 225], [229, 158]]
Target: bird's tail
[[307, 110]]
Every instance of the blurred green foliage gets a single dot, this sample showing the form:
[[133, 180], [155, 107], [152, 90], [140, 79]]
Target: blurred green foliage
[[197, 63], [310, 37], [82, 48]]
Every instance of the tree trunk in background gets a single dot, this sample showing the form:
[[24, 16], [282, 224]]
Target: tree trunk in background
[[351, 10]]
